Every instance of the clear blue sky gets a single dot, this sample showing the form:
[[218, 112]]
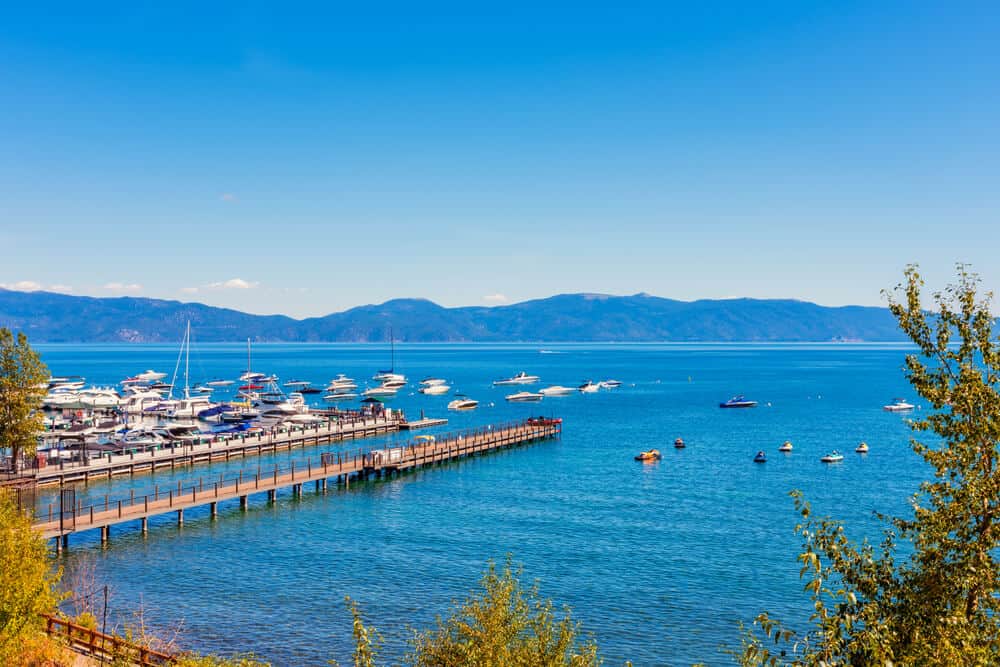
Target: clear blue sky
[[295, 158]]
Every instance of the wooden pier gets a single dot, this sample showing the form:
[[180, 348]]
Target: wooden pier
[[61, 522], [219, 448]]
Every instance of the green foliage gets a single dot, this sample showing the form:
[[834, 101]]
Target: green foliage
[[27, 580], [503, 625], [23, 377], [939, 605]]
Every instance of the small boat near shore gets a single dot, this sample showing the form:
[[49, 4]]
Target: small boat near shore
[[832, 457], [557, 390], [435, 389], [679, 443], [648, 456], [786, 446], [862, 448], [761, 457], [463, 402]]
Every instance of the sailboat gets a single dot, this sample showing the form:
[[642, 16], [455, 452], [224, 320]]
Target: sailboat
[[189, 406], [391, 376]]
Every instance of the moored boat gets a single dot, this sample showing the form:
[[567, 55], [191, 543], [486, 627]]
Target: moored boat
[[898, 405], [679, 443], [589, 387], [649, 455], [862, 448], [760, 457], [786, 446], [524, 397], [832, 457], [520, 378], [463, 402], [557, 390]]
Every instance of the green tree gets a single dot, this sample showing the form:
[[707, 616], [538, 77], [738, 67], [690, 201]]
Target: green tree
[[934, 602], [27, 581], [23, 378], [503, 625]]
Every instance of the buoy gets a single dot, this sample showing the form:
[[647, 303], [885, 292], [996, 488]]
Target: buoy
[[679, 443]]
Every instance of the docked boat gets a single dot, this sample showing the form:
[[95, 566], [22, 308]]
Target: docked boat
[[557, 390], [738, 402], [862, 448], [832, 457], [898, 405], [462, 402], [761, 457], [524, 397], [589, 387], [435, 389], [189, 408], [520, 378], [679, 443], [786, 446], [650, 455]]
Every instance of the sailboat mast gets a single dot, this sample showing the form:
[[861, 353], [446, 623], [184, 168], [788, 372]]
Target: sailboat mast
[[392, 352], [187, 361]]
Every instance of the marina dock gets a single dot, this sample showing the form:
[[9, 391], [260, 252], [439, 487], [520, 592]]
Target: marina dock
[[220, 448], [72, 517]]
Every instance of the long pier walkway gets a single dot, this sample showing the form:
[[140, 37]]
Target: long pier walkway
[[220, 448], [72, 518]]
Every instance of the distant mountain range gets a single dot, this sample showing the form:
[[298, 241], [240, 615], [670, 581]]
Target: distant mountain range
[[61, 318]]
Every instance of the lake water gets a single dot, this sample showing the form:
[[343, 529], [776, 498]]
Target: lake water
[[659, 561]]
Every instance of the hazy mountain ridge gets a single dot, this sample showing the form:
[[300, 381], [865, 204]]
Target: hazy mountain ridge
[[50, 317]]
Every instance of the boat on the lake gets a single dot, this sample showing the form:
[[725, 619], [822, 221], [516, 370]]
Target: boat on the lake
[[435, 389], [557, 390], [649, 455], [862, 448], [761, 457], [589, 387], [610, 384], [679, 443], [463, 402], [898, 405], [832, 457], [738, 402], [524, 397], [520, 378], [786, 446]]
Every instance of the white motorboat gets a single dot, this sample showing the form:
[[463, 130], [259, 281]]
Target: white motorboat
[[524, 397], [220, 383], [435, 389], [589, 387], [297, 383], [389, 376], [203, 389], [136, 402], [463, 403], [147, 377], [379, 392], [520, 378], [898, 405], [393, 384], [610, 384], [100, 399], [431, 382], [344, 396], [188, 408], [557, 390], [185, 433]]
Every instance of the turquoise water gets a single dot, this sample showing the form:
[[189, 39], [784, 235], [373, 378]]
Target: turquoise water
[[660, 562]]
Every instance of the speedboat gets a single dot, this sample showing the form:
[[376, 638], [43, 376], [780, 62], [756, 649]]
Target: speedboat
[[203, 389], [679, 443], [898, 405], [589, 387], [297, 383], [389, 376], [862, 448], [738, 402], [220, 383], [431, 382], [309, 389], [393, 384], [379, 392], [832, 457], [761, 457], [463, 403], [786, 446], [650, 455], [524, 397], [435, 389], [188, 408], [557, 390], [520, 378], [251, 377], [144, 378], [342, 396], [610, 384]]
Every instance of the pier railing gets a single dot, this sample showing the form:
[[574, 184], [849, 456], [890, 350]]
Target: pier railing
[[96, 644], [71, 516]]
